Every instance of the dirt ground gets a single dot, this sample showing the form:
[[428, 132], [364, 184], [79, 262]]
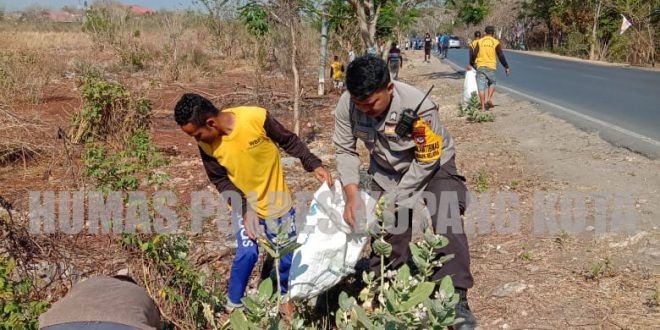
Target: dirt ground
[[528, 281]]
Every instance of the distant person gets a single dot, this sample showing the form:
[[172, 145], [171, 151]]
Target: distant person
[[394, 61], [428, 44], [104, 303], [484, 57], [337, 74], [471, 45], [443, 45]]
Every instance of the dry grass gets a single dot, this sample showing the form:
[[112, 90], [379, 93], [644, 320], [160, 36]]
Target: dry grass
[[25, 73], [42, 41], [19, 141]]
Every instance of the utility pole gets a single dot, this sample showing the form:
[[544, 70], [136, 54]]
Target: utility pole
[[324, 49]]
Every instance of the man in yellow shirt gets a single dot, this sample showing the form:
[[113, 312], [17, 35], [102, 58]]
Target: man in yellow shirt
[[337, 74], [239, 150], [484, 56]]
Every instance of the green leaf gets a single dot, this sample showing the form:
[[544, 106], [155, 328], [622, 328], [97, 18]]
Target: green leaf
[[265, 289], [363, 318], [270, 251], [391, 300], [403, 275], [417, 256], [382, 248], [238, 320], [431, 238], [344, 302], [421, 292], [443, 260], [368, 277], [446, 287], [290, 248], [251, 304], [339, 318]]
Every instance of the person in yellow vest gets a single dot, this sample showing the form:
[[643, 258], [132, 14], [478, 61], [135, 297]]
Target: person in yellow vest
[[337, 74], [471, 45], [239, 148], [484, 56]]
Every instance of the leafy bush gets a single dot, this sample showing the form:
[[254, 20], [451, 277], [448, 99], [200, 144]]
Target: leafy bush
[[402, 299], [397, 300], [109, 111], [17, 310], [473, 110], [121, 170]]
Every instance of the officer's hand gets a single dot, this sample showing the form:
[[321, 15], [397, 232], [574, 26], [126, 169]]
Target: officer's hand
[[468, 68], [323, 175], [250, 221], [355, 209], [507, 71]]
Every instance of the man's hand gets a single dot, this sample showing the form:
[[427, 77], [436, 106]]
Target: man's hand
[[250, 221], [468, 68], [323, 175], [507, 71], [355, 208]]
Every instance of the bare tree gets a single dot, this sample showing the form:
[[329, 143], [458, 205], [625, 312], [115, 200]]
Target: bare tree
[[366, 12], [286, 13], [173, 24], [594, 32]]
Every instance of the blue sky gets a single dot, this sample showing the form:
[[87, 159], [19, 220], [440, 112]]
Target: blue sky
[[13, 5]]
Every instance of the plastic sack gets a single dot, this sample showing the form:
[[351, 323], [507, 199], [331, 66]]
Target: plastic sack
[[469, 85], [330, 249]]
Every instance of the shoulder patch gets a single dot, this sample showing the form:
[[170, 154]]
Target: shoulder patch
[[428, 145]]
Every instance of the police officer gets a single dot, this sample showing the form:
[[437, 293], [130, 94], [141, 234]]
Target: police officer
[[403, 166]]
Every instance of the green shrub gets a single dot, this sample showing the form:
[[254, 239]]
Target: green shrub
[[473, 110], [109, 111], [17, 310]]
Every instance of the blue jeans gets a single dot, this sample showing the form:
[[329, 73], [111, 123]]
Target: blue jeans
[[247, 254]]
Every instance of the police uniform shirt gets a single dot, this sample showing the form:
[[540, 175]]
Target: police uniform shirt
[[402, 165]]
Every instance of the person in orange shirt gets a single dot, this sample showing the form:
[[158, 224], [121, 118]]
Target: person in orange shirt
[[239, 148], [484, 56]]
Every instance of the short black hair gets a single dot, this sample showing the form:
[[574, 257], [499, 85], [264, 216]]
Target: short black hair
[[365, 75], [490, 29], [194, 108], [393, 44], [477, 34]]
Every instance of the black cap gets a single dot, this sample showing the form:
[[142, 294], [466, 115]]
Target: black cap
[[490, 29]]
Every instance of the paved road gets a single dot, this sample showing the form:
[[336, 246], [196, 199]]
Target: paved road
[[624, 101]]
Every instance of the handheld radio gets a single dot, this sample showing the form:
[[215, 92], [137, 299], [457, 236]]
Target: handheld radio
[[408, 117]]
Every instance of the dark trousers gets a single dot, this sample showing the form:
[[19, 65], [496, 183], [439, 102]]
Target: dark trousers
[[445, 179]]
